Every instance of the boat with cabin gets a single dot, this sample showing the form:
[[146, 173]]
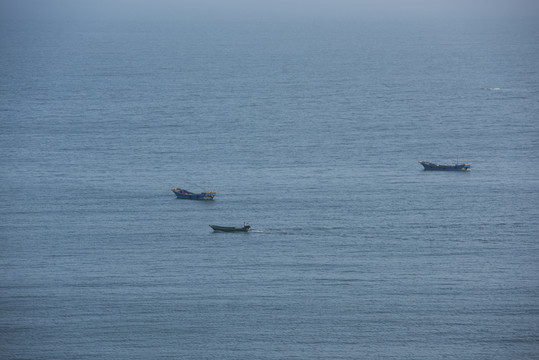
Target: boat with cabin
[[427, 165], [184, 194]]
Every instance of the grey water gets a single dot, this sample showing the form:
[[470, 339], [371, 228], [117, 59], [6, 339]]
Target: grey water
[[310, 131]]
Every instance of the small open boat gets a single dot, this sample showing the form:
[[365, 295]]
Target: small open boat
[[245, 228], [184, 194], [457, 167]]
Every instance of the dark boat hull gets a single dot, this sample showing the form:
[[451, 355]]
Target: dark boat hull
[[229, 229], [184, 194], [437, 167]]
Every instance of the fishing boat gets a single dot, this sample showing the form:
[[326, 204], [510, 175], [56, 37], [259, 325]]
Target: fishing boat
[[245, 228], [184, 194], [440, 167]]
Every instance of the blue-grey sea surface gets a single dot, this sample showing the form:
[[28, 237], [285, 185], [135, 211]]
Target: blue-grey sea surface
[[310, 131]]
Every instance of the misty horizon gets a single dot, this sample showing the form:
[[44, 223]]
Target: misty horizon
[[234, 10]]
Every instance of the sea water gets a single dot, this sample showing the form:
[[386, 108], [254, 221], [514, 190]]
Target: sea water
[[310, 131]]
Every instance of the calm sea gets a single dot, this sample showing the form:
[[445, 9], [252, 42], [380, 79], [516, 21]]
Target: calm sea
[[310, 131]]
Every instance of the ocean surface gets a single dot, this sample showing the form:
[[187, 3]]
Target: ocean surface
[[312, 132]]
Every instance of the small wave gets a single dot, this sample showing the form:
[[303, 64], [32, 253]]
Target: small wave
[[493, 89]]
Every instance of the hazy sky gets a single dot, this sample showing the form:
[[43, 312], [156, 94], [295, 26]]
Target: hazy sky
[[262, 9]]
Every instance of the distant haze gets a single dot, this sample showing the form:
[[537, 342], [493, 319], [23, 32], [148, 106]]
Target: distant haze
[[205, 10]]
